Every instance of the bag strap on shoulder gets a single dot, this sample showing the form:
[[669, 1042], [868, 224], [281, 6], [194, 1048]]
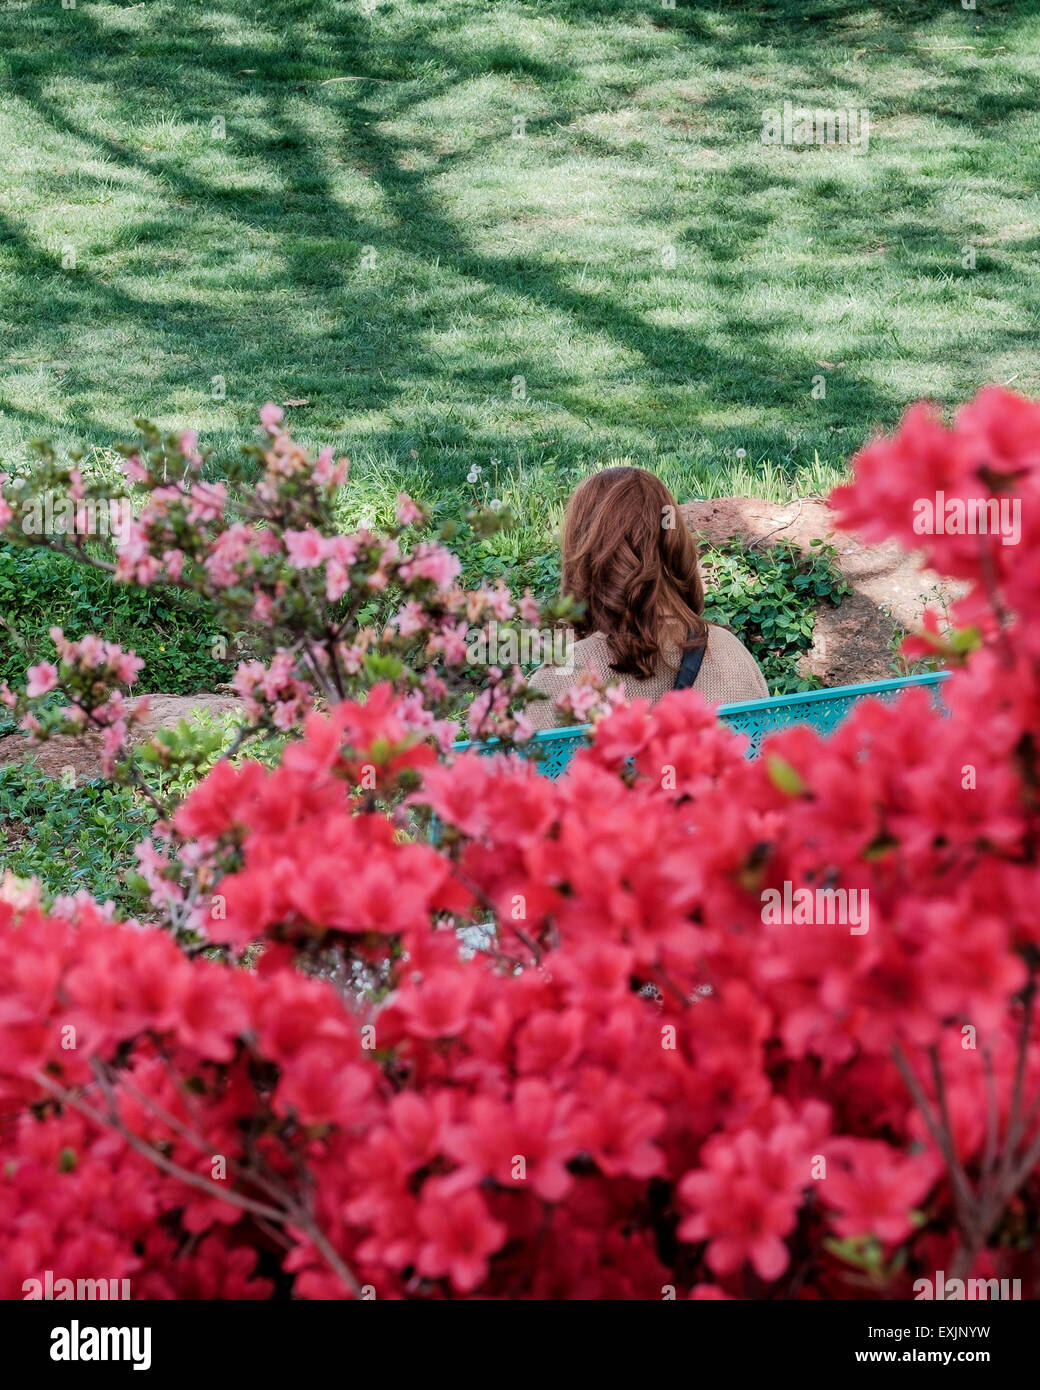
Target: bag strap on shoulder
[[691, 665]]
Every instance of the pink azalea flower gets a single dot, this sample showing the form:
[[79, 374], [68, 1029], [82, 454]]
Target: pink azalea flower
[[42, 678], [306, 549], [408, 511]]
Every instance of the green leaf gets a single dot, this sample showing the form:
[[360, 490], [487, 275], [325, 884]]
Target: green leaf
[[783, 776]]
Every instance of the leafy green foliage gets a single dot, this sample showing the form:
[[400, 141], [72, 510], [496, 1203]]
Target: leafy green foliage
[[769, 598], [40, 590], [70, 837], [83, 836]]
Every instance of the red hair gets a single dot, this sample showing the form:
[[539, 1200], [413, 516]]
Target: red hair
[[628, 557]]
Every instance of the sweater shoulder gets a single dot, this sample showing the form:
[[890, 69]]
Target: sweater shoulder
[[725, 641], [734, 667], [587, 653]]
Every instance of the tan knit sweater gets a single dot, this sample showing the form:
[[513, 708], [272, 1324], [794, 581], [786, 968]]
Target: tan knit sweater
[[728, 674]]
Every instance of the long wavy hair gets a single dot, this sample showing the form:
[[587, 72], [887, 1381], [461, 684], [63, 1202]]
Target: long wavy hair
[[628, 557]]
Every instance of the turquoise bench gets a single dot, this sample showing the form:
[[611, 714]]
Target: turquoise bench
[[821, 709]]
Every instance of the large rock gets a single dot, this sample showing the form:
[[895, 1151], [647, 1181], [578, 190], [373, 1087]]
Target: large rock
[[856, 641], [83, 755]]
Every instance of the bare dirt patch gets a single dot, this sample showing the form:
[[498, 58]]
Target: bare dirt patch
[[891, 588], [84, 754]]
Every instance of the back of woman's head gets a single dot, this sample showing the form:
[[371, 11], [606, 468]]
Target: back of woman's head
[[628, 557]]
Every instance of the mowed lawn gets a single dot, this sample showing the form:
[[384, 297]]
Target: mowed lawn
[[532, 238]]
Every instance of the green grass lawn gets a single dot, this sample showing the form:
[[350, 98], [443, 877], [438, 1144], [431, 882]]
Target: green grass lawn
[[370, 235]]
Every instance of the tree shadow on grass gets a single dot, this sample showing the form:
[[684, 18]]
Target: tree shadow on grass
[[380, 351]]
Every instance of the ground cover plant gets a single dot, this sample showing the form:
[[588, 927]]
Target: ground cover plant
[[39, 590], [70, 837]]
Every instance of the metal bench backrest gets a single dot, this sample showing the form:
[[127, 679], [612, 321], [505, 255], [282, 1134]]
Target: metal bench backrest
[[821, 709]]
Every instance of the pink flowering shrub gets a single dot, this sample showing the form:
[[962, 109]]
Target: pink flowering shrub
[[626, 1079], [323, 614]]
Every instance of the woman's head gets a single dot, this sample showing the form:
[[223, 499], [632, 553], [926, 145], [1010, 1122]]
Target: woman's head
[[630, 560]]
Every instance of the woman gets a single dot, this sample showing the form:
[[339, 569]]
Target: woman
[[630, 560]]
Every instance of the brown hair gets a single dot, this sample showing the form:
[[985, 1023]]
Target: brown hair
[[628, 557]]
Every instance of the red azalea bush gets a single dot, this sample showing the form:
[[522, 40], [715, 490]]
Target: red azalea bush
[[624, 1080]]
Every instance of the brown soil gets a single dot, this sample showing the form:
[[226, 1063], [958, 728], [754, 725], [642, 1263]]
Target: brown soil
[[84, 754], [855, 641]]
